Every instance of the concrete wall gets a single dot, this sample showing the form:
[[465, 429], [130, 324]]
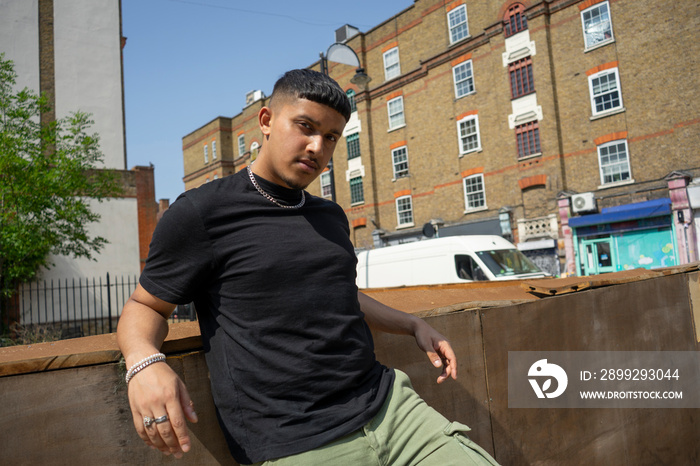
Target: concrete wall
[[65, 402], [19, 32], [87, 52]]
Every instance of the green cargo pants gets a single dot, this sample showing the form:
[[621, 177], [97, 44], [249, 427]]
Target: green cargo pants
[[406, 431]]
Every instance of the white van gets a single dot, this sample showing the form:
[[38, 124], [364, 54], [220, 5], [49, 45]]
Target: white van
[[455, 259]]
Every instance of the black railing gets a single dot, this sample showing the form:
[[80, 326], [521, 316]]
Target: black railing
[[79, 307]]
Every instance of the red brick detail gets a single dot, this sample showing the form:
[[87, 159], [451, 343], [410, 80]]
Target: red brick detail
[[536, 180], [390, 46], [588, 4], [454, 5], [397, 144], [240, 132], [466, 114], [461, 59], [146, 208], [324, 170], [599, 68], [359, 222], [472, 171], [405, 192], [610, 137], [394, 95]]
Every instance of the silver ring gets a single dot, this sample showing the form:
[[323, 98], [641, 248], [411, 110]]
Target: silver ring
[[147, 421], [160, 420]]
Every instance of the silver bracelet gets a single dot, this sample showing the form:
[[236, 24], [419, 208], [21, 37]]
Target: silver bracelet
[[142, 364]]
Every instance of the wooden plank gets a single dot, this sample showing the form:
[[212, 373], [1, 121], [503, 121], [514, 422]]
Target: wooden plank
[[82, 416], [464, 400], [646, 315]]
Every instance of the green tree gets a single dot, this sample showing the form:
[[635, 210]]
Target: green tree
[[48, 175]]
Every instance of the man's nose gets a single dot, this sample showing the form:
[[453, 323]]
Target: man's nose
[[315, 144]]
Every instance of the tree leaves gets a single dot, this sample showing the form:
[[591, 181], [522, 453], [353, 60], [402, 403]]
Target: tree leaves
[[48, 176]]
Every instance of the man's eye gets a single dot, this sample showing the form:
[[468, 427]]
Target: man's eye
[[332, 138]]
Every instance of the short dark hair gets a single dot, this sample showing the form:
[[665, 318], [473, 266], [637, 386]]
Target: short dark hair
[[314, 86]]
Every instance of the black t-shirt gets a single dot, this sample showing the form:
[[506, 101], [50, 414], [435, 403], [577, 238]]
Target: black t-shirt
[[290, 356]]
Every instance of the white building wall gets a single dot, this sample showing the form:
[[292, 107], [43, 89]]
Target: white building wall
[[19, 39], [87, 50], [119, 257]]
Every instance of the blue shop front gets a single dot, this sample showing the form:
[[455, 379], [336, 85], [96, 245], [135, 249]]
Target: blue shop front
[[630, 236]]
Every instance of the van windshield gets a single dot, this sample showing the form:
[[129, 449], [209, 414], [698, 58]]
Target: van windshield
[[506, 262]]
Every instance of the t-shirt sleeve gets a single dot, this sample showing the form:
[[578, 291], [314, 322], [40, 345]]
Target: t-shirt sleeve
[[180, 255]]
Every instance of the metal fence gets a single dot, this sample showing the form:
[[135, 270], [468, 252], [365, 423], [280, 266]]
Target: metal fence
[[80, 307]]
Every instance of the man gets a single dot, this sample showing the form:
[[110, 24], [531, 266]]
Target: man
[[271, 271]]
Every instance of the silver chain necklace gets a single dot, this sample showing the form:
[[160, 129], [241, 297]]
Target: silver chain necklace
[[272, 199]]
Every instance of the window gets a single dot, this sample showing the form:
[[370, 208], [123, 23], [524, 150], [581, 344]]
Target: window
[[404, 210], [241, 145], [213, 150], [351, 97], [515, 20], [357, 193], [597, 27], [457, 21], [528, 136], [469, 140], [474, 194], [353, 142], [605, 91], [464, 79], [326, 184], [614, 162], [392, 67], [399, 156], [206, 153], [521, 82], [396, 116]]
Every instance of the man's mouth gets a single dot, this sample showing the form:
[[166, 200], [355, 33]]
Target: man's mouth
[[310, 165]]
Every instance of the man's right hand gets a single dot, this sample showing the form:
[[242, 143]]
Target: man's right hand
[[157, 391]]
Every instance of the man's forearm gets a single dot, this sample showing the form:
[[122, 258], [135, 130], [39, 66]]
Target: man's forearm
[[386, 319], [141, 330]]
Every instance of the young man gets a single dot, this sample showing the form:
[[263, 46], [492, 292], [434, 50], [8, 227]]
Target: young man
[[271, 271]]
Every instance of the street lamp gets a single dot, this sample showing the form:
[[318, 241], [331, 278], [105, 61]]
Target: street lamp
[[341, 53]]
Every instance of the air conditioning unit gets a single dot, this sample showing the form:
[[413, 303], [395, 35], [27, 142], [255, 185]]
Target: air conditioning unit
[[584, 202], [345, 33]]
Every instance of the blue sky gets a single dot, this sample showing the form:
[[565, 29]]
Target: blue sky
[[187, 62]]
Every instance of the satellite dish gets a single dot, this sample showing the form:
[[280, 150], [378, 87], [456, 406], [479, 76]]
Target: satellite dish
[[429, 230]]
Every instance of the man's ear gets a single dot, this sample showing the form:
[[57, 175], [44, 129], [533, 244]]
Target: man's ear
[[265, 120]]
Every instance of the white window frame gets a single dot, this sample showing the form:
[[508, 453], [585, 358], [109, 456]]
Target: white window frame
[[206, 153], [394, 152], [241, 145], [213, 149], [468, 206], [395, 114], [453, 27], [618, 89], [470, 78], [402, 210], [461, 136], [392, 63], [588, 41], [326, 188], [605, 168]]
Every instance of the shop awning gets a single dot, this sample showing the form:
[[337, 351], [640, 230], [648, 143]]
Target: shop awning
[[623, 213]]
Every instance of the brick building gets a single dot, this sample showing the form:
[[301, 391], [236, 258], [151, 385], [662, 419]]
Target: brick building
[[556, 123]]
